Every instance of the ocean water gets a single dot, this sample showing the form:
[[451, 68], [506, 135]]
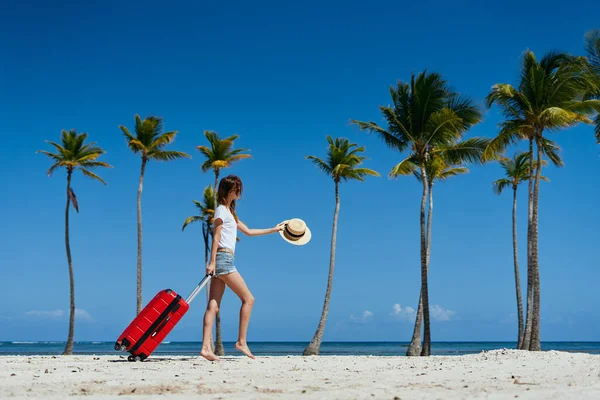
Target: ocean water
[[289, 348]]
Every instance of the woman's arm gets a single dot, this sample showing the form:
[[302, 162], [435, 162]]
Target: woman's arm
[[218, 226], [258, 232]]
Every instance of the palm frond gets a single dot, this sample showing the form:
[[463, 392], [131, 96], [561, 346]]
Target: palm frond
[[94, 164], [164, 139], [500, 185], [205, 150], [592, 48], [511, 132], [393, 115], [134, 144], [388, 138], [191, 220], [238, 151], [452, 171], [166, 155], [551, 150], [206, 165], [73, 199], [61, 150], [358, 173], [443, 126], [467, 151], [555, 118], [320, 164], [52, 168], [92, 175], [405, 167], [53, 156], [238, 157]]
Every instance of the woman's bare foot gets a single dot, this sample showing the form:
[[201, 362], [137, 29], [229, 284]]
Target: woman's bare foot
[[209, 355], [244, 349]]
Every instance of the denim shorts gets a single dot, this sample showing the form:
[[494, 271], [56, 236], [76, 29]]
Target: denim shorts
[[224, 264]]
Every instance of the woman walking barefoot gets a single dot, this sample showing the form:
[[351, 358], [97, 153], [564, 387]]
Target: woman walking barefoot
[[221, 265]]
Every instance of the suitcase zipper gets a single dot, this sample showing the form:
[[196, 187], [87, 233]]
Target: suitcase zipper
[[153, 328]]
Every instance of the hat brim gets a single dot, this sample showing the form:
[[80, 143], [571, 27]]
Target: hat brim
[[301, 241]]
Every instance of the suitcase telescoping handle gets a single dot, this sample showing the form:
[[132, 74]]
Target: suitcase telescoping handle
[[198, 288]]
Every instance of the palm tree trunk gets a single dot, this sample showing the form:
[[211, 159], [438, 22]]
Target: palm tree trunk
[[527, 333], [517, 278], [414, 349], [205, 235], [139, 235], [219, 342], [69, 346], [426, 350], [315, 344], [535, 345], [215, 189]]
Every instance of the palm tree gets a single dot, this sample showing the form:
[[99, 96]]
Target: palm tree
[[73, 154], [592, 47], [342, 164], [207, 211], [516, 171], [219, 155], [551, 95], [437, 169], [150, 142], [428, 118]]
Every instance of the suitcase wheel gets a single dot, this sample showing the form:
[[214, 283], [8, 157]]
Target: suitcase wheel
[[134, 358], [120, 347]]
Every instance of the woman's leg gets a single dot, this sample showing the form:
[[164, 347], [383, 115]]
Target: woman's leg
[[237, 284], [217, 287]]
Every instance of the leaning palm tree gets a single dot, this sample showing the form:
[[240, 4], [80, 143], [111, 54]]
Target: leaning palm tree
[[73, 154], [437, 169], [342, 164], [219, 155], [592, 47], [150, 142], [428, 118], [516, 170], [552, 94], [206, 211]]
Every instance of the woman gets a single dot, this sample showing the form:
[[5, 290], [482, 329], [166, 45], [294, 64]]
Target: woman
[[226, 224]]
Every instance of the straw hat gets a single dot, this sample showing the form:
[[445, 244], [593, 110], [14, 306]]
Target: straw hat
[[295, 232]]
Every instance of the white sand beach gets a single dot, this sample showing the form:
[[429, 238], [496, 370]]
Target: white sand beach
[[498, 374]]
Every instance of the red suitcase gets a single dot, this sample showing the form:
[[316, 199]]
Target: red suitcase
[[150, 327]]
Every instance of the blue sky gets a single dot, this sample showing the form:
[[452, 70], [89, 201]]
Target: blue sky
[[282, 76]]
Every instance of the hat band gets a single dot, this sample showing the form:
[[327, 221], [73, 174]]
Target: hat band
[[287, 231]]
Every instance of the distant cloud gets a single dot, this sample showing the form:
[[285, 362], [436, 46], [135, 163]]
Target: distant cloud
[[366, 315], [80, 314], [407, 313], [440, 314], [512, 318], [436, 312]]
